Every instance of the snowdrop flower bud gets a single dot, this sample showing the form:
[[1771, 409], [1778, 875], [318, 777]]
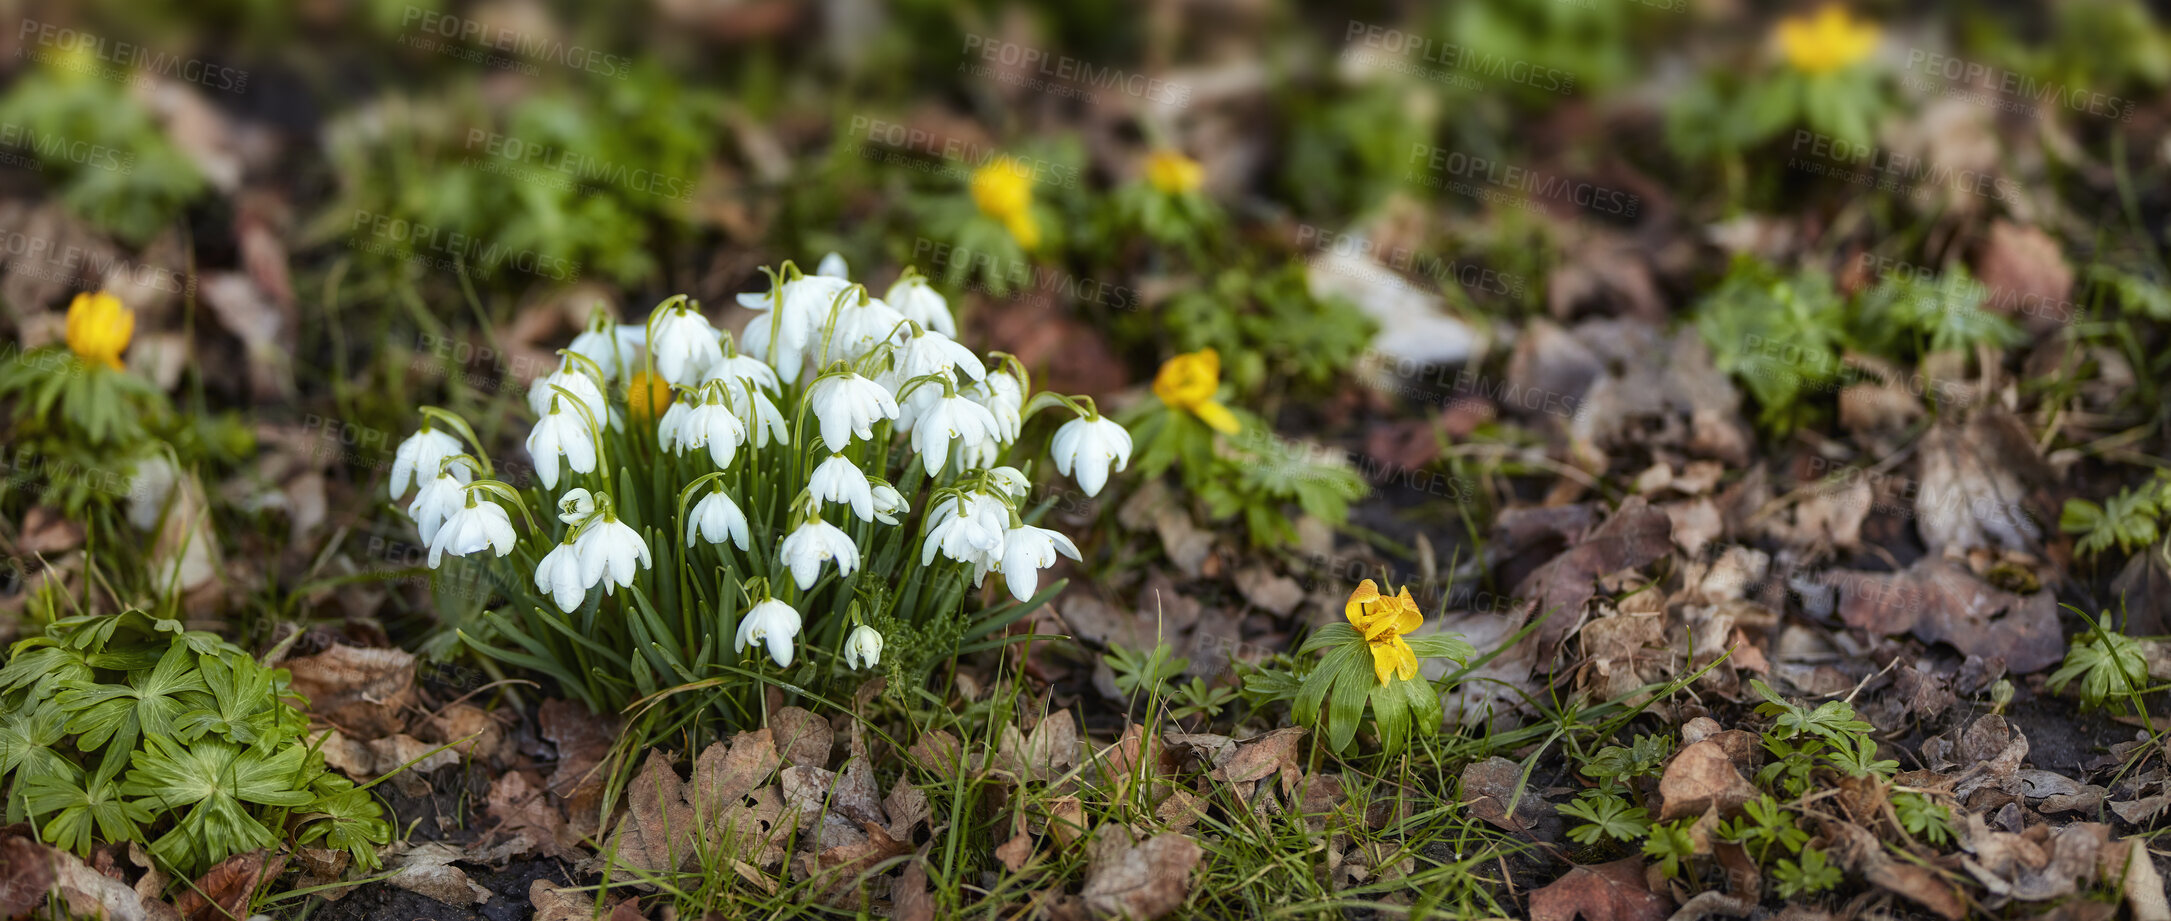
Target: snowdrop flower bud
[[478, 524], [684, 344], [814, 543], [840, 481], [1004, 398], [848, 405], [932, 352], [716, 517], [576, 506], [922, 304], [438, 499], [888, 503], [863, 648], [1026, 551], [615, 348], [418, 458], [559, 576], [713, 425], [953, 418], [573, 381], [561, 431], [1089, 447], [833, 266], [772, 623], [610, 547]]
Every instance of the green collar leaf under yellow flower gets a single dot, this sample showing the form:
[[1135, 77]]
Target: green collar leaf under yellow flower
[[1189, 381], [1384, 620]]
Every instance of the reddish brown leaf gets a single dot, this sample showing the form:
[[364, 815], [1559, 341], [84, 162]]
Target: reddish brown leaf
[[1606, 892]]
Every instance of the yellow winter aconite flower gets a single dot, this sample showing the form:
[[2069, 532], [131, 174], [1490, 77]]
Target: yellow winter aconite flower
[[655, 389], [1384, 620], [1188, 382], [99, 328], [1173, 173], [1830, 40], [1004, 191]]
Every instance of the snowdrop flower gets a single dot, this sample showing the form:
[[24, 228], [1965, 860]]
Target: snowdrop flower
[[862, 327], [683, 343], [814, 543], [614, 347], [438, 499], [419, 456], [793, 313], [922, 304], [610, 547], [760, 416], [576, 506], [888, 503], [667, 427], [863, 648], [772, 623], [1089, 447], [559, 576], [1011, 480], [959, 419], [833, 266], [967, 528], [738, 369], [561, 432], [716, 517], [840, 481], [932, 352], [1004, 398], [1026, 551], [472, 527], [573, 381], [847, 405], [713, 425]]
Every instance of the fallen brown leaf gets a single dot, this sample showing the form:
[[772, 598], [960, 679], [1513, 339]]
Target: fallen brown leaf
[[1606, 892], [1940, 602], [1139, 881], [223, 892]]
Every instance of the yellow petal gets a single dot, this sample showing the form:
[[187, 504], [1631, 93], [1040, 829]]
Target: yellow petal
[[1405, 659], [1365, 593], [1218, 416], [1383, 662]]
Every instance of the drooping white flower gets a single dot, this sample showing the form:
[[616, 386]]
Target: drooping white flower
[[848, 405], [667, 427], [922, 304], [1011, 480], [614, 347], [967, 528], [958, 419], [1004, 398], [716, 518], [684, 344], [833, 266], [761, 417], [712, 425], [931, 352], [474, 526], [1026, 551], [418, 458], [738, 368], [573, 380], [888, 503], [772, 623], [814, 543], [438, 499], [863, 649], [612, 548], [559, 576], [1087, 448], [576, 506], [794, 314], [838, 480], [561, 431], [862, 327]]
